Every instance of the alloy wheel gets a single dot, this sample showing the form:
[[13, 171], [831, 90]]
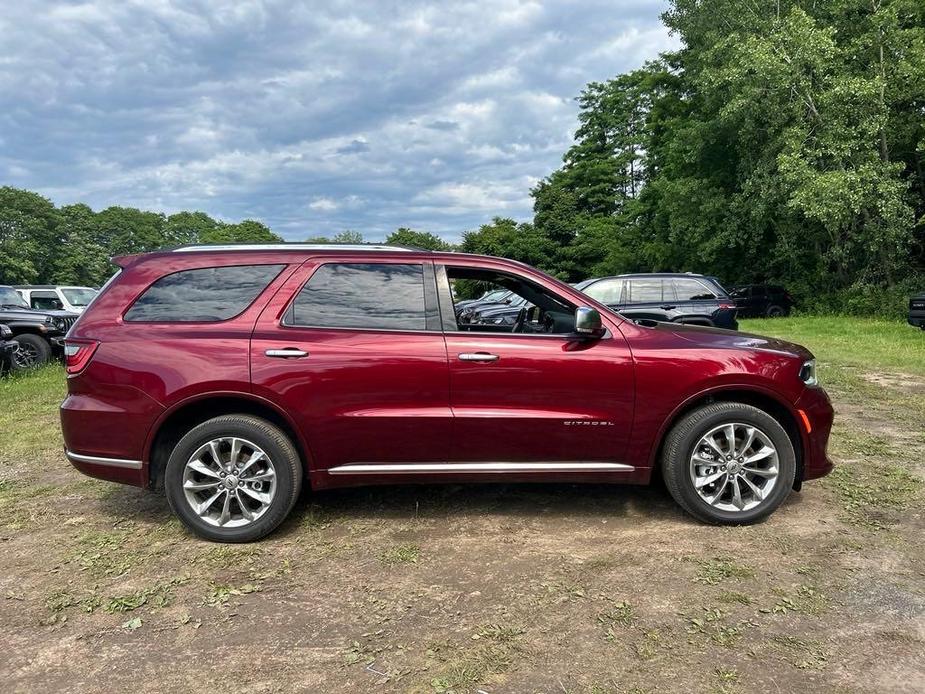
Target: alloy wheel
[[26, 356], [229, 482], [734, 467]]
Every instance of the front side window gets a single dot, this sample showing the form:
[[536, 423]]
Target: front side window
[[45, 300], [203, 295], [374, 296]]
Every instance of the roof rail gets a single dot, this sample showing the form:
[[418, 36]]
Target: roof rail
[[291, 246]]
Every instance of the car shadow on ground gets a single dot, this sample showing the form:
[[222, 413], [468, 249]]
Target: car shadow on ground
[[405, 503]]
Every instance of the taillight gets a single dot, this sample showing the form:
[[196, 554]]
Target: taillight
[[77, 354]]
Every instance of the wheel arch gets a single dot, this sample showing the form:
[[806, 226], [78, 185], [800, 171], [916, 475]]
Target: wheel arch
[[764, 400], [183, 416]]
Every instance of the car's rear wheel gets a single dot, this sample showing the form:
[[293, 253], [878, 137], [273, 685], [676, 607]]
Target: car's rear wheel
[[775, 311], [233, 478], [33, 351], [729, 463]]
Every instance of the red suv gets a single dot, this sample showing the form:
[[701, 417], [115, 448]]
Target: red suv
[[234, 375]]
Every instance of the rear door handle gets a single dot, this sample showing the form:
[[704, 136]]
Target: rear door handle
[[668, 308], [478, 356], [287, 353]]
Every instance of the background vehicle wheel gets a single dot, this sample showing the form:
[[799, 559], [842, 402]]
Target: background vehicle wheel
[[775, 311], [33, 351], [233, 478], [728, 463]]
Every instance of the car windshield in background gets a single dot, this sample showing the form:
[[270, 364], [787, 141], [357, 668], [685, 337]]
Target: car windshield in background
[[10, 297], [79, 296]]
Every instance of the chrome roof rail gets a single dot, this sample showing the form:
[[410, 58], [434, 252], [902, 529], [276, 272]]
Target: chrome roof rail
[[294, 246]]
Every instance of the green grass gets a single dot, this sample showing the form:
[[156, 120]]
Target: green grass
[[859, 342], [29, 416]]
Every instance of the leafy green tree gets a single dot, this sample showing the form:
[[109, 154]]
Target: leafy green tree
[[248, 231], [348, 237], [81, 258], [418, 239]]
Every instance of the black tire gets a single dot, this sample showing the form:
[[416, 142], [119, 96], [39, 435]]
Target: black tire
[[279, 449], [33, 351], [775, 311], [685, 435]]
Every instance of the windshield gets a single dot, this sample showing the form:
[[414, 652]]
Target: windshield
[[10, 297], [78, 296]]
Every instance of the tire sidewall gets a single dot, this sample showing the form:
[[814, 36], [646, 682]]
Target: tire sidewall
[[747, 415], [288, 477]]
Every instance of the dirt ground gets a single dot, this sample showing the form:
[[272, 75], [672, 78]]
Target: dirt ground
[[500, 588]]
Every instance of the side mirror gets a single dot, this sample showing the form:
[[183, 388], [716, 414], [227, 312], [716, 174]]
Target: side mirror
[[588, 322]]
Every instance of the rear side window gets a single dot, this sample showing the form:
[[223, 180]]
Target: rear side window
[[203, 295], [374, 296], [606, 291], [691, 290], [645, 290]]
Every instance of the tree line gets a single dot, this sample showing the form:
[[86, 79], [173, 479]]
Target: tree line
[[783, 142]]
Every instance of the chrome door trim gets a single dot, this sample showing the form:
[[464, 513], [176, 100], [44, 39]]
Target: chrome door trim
[[98, 460], [488, 467]]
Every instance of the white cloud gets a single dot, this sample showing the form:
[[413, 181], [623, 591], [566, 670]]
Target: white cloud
[[313, 117]]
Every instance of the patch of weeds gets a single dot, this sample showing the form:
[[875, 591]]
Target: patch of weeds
[[156, 596], [315, 519], [718, 569], [102, 554], [712, 624], [731, 596], [495, 653], [648, 647], [805, 600], [803, 655], [60, 600], [227, 556], [400, 554], [866, 491], [618, 614], [219, 595], [728, 678]]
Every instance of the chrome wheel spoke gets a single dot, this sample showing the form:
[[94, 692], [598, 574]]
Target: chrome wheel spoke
[[737, 494], [711, 442], [770, 472], [204, 506], [731, 439], [235, 452], [709, 479], [254, 494], [226, 509], [203, 469], [253, 459], [216, 454], [712, 499], [749, 440], [755, 489], [765, 452], [261, 476], [199, 486], [242, 504]]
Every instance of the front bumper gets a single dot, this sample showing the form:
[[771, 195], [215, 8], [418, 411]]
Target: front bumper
[[815, 404], [7, 350], [917, 318]]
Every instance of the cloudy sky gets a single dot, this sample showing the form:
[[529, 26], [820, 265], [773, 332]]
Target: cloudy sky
[[313, 117]]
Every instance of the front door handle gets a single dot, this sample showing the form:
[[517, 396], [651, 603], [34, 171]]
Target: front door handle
[[287, 353], [668, 308], [478, 356]]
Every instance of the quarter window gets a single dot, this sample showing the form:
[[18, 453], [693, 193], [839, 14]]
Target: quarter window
[[606, 291], [203, 295], [373, 296], [692, 290]]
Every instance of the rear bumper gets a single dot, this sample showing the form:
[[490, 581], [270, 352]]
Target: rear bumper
[[816, 405], [111, 469]]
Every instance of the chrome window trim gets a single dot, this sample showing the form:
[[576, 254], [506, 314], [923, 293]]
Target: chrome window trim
[[487, 467], [99, 460]]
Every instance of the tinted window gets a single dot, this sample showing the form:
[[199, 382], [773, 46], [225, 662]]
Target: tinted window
[[205, 294], [373, 296], [45, 300], [645, 290], [691, 290], [606, 291]]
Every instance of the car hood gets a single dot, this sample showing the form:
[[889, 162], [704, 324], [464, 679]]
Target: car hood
[[27, 313], [718, 338]]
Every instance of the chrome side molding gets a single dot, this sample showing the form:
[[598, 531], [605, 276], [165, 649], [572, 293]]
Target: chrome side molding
[[97, 460], [413, 468]]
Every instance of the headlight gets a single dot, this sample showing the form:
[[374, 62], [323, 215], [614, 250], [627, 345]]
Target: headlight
[[59, 323], [808, 373], [49, 320]]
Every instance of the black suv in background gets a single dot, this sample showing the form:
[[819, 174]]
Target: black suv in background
[[7, 348], [917, 311], [38, 334], [762, 300], [665, 297]]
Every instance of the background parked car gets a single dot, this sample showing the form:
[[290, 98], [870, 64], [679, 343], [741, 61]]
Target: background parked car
[[492, 295], [917, 311], [7, 348], [38, 334], [53, 297], [762, 300], [666, 297]]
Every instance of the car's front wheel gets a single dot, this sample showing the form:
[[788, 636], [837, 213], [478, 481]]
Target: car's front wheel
[[233, 478], [729, 463], [33, 351]]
